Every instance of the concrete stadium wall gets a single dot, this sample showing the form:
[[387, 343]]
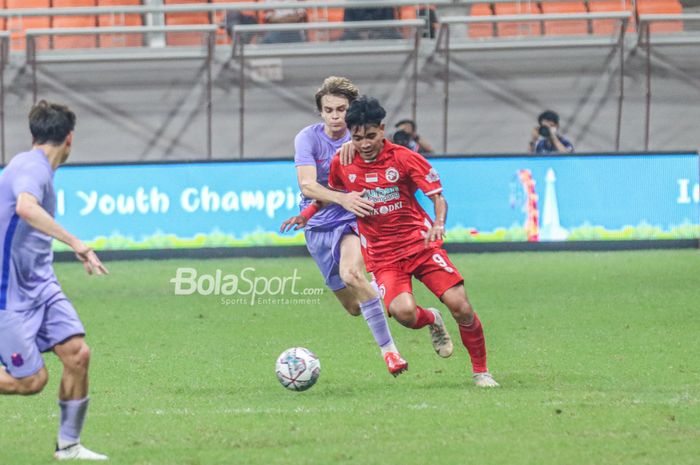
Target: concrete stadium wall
[[155, 110]]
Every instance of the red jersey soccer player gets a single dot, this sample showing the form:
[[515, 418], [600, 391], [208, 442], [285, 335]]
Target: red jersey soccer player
[[399, 240]]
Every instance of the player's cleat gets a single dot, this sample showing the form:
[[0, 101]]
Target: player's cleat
[[77, 452], [395, 364], [484, 380], [442, 342]]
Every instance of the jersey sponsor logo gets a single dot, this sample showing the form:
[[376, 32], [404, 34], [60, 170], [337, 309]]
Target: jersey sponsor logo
[[17, 360], [384, 209], [352, 177], [392, 174], [432, 176], [371, 177], [381, 195]]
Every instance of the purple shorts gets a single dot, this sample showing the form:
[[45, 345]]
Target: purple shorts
[[324, 247], [25, 334]]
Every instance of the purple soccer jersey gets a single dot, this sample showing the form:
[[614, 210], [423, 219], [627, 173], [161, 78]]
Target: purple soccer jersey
[[27, 279], [34, 314], [314, 148]]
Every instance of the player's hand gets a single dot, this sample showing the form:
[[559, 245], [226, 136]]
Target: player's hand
[[88, 257], [298, 222], [347, 153], [435, 233], [354, 202]]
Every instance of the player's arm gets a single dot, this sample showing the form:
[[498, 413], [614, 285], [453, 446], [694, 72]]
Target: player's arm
[[437, 231], [351, 201], [29, 210]]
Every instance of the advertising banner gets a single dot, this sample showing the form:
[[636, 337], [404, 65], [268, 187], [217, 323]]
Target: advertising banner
[[491, 199]]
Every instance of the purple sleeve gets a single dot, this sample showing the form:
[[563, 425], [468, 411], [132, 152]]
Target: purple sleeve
[[30, 179], [304, 149]]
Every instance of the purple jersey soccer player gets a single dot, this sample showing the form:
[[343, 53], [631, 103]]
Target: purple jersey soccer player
[[35, 315], [331, 234]]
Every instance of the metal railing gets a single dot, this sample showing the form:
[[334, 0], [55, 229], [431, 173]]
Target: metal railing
[[444, 45], [241, 50], [48, 56], [647, 41]]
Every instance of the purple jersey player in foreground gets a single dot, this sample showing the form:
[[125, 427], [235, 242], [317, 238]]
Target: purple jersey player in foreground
[[331, 234], [35, 315]]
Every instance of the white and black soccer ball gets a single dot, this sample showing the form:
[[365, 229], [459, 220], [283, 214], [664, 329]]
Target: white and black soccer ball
[[298, 368]]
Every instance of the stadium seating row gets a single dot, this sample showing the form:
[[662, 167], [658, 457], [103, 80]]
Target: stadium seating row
[[17, 25], [573, 27]]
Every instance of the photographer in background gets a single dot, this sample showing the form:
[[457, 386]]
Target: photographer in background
[[546, 138], [407, 136]]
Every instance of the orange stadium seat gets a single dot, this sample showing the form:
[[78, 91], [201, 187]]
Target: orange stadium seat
[[529, 28], [323, 15], [480, 30], [118, 20], [74, 21], [17, 25], [609, 26], [2, 20], [190, 19], [565, 28], [654, 7]]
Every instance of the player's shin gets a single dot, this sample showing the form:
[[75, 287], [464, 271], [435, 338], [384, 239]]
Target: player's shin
[[373, 313], [473, 339], [73, 414]]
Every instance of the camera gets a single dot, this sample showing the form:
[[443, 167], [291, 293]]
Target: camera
[[544, 131], [401, 137]]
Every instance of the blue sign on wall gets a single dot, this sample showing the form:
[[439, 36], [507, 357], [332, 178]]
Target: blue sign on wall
[[230, 204]]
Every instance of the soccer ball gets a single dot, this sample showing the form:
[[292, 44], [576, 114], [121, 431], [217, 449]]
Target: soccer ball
[[297, 369]]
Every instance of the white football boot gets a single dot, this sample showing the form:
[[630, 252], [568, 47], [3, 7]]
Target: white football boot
[[442, 342], [77, 452], [484, 380]]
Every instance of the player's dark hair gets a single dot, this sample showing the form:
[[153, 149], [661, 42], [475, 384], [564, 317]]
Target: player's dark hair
[[407, 121], [338, 86], [365, 111], [50, 123], [548, 115]]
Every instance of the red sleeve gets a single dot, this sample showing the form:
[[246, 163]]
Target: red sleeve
[[422, 173], [335, 179]]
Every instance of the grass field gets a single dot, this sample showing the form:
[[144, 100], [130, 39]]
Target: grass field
[[597, 354]]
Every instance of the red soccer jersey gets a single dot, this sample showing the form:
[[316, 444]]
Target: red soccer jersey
[[397, 227]]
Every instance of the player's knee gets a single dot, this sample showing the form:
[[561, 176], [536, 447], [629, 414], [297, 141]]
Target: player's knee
[[79, 357], [404, 314], [351, 276], [463, 312]]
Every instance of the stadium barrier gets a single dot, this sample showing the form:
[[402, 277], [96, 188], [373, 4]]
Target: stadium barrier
[[446, 46], [506, 202], [243, 50], [647, 42]]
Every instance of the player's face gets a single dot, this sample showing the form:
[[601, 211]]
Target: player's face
[[333, 108], [368, 140]]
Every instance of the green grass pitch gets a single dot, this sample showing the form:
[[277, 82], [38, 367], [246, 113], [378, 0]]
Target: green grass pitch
[[597, 354]]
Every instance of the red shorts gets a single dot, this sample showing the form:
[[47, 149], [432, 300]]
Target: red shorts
[[432, 267]]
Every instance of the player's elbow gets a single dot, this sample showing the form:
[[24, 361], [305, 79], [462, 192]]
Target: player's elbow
[[306, 187]]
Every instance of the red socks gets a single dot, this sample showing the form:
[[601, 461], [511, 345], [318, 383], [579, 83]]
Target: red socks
[[473, 340], [423, 318]]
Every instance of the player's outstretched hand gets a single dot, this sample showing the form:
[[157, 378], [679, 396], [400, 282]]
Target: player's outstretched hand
[[91, 262], [347, 153], [354, 202], [435, 233], [298, 222]]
